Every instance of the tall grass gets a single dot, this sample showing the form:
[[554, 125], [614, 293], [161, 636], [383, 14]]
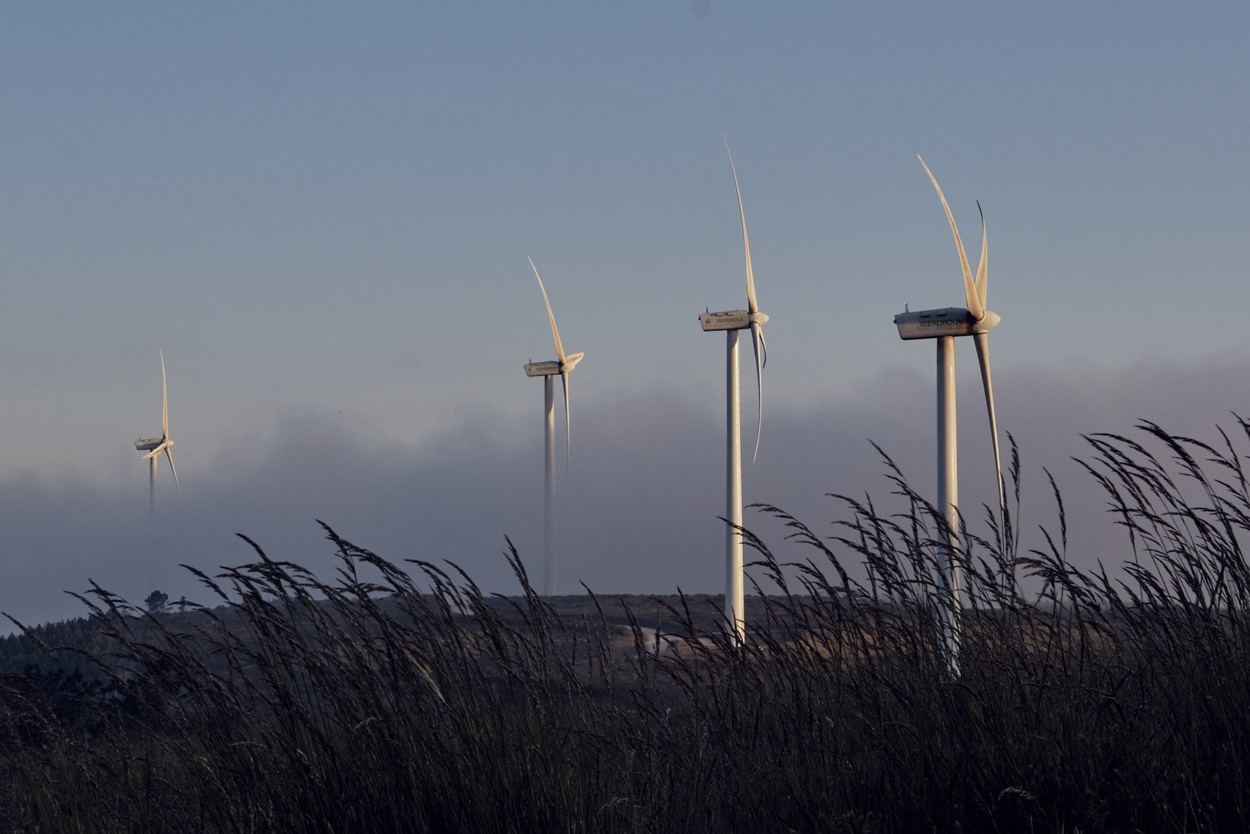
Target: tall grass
[[390, 698]]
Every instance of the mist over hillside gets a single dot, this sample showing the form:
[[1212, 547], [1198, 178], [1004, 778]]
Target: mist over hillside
[[642, 500]]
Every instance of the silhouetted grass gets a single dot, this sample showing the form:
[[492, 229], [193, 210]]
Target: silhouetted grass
[[391, 698]]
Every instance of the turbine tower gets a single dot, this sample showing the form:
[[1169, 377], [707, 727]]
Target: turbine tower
[[154, 446], [731, 322], [944, 325], [563, 365]]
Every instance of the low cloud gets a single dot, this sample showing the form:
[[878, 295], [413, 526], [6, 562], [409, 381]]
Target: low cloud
[[644, 486]]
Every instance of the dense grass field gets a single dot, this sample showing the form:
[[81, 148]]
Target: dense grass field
[[401, 698]]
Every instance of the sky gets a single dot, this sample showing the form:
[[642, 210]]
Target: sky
[[321, 214]]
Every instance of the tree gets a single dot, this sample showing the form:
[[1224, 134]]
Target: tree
[[157, 602]]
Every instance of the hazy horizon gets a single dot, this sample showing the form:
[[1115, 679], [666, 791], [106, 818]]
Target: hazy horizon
[[641, 505]]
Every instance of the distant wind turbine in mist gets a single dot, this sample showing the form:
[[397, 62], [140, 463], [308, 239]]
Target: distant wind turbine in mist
[[944, 325], [731, 322], [563, 365], [154, 446]]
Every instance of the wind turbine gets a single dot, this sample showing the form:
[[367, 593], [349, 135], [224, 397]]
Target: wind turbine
[[154, 446], [563, 366], [731, 322], [944, 325]]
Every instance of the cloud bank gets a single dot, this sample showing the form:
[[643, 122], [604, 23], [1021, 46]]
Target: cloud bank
[[640, 503]]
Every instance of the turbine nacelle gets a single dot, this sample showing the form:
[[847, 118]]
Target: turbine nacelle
[[554, 367], [948, 321], [731, 320], [551, 368]]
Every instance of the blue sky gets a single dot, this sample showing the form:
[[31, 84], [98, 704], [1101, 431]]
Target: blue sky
[[321, 213]]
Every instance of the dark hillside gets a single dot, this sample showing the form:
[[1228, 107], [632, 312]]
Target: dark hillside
[[412, 702]]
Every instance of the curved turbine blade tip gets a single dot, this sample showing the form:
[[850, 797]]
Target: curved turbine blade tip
[[971, 295], [555, 332]]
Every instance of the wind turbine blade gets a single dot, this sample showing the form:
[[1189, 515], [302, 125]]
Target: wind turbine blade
[[568, 429], [983, 275], [752, 305], [164, 400], [757, 342], [983, 356], [170, 456], [555, 334], [758, 328], [975, 305]]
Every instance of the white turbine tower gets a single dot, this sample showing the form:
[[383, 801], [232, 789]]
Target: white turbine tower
[[154, 446], [944, 325], [731, 322], [563, 365]]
